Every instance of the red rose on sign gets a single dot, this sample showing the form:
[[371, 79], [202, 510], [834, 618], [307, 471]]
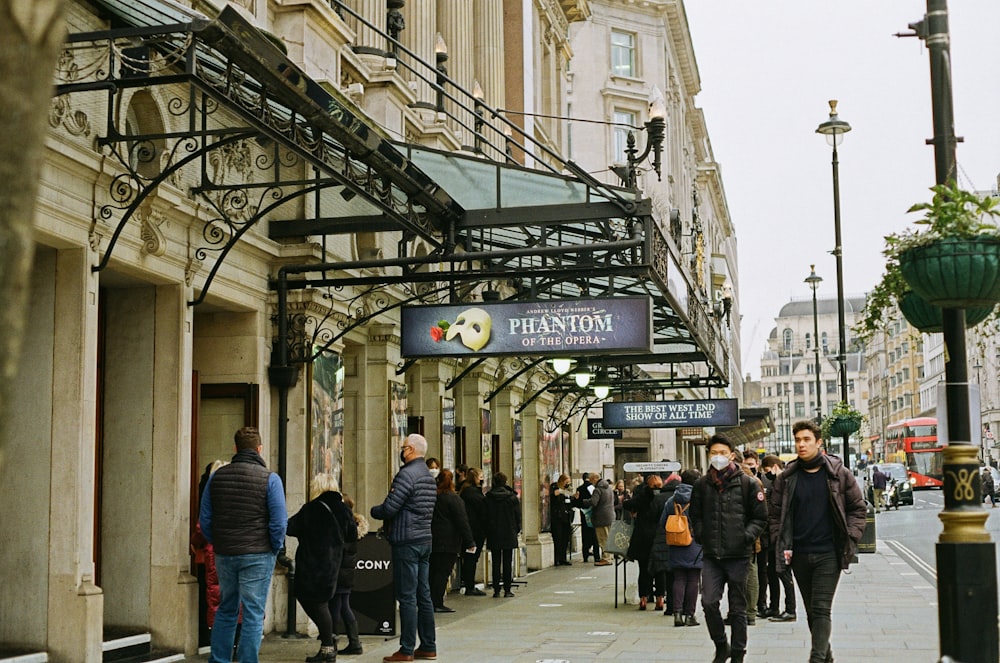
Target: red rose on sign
[[437, 334]]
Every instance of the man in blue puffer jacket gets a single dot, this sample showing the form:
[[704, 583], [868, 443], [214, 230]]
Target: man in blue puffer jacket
[[407, 511]]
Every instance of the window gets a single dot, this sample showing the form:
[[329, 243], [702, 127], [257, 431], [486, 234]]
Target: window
[[623, 54], [798, 389], [624, 121], [831, 386], [800, 409], [786, 339], [824, 342], [808, 340]]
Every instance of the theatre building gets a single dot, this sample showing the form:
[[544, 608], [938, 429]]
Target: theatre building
[[342, 222]]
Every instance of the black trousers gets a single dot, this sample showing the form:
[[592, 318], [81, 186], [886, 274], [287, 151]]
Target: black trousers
[[560, 539], [716, 576], [589, 538], [320, 614], [469, 563], [503, 562], [817, 575], [778, 581], [441, 566]]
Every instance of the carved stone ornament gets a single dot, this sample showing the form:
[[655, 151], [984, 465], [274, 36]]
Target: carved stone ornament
[[154, 243]]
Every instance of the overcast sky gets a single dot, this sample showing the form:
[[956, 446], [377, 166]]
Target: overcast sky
[[767, 70]]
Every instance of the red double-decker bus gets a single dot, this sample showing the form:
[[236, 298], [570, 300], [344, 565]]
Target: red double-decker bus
[[914, 442]]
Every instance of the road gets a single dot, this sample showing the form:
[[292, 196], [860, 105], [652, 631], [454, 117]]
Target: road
[[912, 532]]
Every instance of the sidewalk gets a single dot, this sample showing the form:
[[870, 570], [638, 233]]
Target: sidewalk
[[567, 615]]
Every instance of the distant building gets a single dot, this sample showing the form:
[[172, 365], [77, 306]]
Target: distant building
[[788, 376], [895, 366]]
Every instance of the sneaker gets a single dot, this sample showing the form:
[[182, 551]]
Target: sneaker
[[475, 591], [784, 617], [691, 621], [508, 594], [426, 655]]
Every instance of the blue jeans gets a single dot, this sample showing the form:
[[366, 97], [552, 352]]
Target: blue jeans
[[243, 579], [411, 573], [817, 575]]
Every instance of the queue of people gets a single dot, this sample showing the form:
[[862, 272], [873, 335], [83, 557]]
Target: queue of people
[[745, 529]]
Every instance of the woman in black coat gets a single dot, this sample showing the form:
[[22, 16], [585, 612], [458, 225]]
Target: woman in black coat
[[322, 527], [340, 605], [475, 508], [644, 517], [451, 535], [503, 522]]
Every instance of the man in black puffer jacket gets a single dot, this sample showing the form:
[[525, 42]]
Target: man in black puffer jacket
[[407, 511], [243, 515], [727, 514]]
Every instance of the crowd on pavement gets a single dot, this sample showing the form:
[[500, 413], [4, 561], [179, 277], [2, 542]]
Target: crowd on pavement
[[743, 530]]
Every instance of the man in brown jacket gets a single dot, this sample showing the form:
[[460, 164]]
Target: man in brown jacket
[[817, 521]]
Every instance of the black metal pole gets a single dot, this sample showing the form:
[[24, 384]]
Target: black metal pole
[[283, 377], [966, 557], [813, 280], [841, 322]]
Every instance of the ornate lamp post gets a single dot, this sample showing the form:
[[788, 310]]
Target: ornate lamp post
[[834, 129], [656, 130], [814, 280]]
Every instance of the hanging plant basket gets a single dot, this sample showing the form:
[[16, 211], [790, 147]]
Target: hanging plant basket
[[954, 272], [930, 319], [843, 426]]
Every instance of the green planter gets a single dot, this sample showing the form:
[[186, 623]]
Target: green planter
[[930, 319], [844, 426], [954, 273]]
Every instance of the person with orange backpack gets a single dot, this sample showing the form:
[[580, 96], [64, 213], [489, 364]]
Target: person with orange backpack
[[685, 560], [727, 515]]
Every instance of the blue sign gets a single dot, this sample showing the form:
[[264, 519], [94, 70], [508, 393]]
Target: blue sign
[[560, 327], [672, 414]]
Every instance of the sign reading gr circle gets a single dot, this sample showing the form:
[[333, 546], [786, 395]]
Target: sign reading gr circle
[[672, 414]]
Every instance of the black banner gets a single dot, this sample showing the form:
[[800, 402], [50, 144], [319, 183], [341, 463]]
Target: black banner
[[672, 414], [373, 598], [597, 431]]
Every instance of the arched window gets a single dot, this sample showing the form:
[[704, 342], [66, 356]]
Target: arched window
[[786, 339], [143, 118]]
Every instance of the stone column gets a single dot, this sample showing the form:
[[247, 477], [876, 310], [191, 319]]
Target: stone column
[[173, 590], [455, 23], [75, 603], [488, 67], [425, 382], [368, 40], [538, 544], [419, 35]]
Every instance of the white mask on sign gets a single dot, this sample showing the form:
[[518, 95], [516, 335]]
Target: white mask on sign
[[474, 326]]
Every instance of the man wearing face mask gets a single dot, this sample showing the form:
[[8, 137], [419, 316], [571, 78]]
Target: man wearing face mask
[[407, 511], [817, 521], [776, 581], [727, 514]]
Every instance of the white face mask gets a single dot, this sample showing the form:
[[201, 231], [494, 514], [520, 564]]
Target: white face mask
[[434, 472], [719, 462]]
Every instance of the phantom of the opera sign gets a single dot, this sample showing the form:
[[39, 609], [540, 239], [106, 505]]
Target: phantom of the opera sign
[[672, 414], [555, 327]]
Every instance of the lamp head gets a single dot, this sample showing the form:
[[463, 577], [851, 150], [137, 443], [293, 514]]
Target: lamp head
[[813, 279], [582, 374], [834, 128], [440, 48], [477, 91], [561, 365]]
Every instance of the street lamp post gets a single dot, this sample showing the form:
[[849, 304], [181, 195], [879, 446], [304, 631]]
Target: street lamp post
[[814, 280], [966, 555], [834, 129]]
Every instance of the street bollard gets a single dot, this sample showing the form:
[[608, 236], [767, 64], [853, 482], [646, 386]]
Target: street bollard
[[867, 542]]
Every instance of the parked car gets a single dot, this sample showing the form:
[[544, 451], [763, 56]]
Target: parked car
[[895, 471]]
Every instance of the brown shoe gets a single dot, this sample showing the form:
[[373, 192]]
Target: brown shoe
[[603, 562], [398, 656], [429, 655]]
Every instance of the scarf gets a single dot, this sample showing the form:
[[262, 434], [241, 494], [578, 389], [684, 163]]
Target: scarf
[[720, 479], [816, 461]]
